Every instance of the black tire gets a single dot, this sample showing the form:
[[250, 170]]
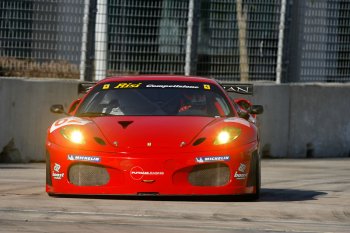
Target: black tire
[[256, 196], [48, 169], [257, 180]]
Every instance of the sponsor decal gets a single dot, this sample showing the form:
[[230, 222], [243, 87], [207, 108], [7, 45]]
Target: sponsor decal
[[68, 121], [55, 174], [240, 174], [171, 86], [57, 167], [137, 173], [237, 89], [206, 86], [237, 120], [245, 89], [128, 85], [242, 167], [106, 86], [95, 159], [207, 159]]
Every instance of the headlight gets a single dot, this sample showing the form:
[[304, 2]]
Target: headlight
[[227, 135], [73, 135]]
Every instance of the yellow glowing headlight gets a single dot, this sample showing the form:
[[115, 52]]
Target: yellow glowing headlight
[[73, 135], [227, 135], [223, 137]]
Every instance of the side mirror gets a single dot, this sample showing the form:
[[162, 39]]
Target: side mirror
[[243, 103], [57, 108], [73, 106], [256, 109], [243, 114]]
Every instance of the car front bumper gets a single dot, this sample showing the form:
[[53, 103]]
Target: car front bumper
[[80, 172]]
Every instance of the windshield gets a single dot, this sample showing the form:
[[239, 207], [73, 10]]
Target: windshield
[[149, 98]]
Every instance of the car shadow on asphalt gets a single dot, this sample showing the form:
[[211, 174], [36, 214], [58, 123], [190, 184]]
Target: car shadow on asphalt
[[285, 195], [267, 195]]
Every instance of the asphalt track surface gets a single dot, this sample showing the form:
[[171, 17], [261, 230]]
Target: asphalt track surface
[[308, 195]]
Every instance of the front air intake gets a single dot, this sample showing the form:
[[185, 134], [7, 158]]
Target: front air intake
[[82, 174], [211, 174]]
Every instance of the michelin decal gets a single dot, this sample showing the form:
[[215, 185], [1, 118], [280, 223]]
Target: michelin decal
[[84, 158], [207, 159]]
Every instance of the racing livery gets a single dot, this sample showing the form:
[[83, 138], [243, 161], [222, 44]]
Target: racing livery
[[154, 135]]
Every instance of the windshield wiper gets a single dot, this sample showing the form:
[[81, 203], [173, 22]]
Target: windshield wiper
[[94, 114]]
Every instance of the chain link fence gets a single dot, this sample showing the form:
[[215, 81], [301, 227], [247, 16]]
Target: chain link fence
[[323, 41], [40, 38], [147, 37], [220, 52], [230, 40]]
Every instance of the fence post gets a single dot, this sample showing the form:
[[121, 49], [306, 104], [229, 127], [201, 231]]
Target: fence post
[[84, 39], [90, 42], [192, 37], [242, 38], [280, 42], [101, 40], [189, 38]]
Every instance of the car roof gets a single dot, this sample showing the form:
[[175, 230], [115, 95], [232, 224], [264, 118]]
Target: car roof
[[180, 78]]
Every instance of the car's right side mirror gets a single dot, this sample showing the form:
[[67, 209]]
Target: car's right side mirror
[[256, 109], [73, 106]]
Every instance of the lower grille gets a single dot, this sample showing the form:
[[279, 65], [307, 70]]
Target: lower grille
[[88, 175], [211, 174]]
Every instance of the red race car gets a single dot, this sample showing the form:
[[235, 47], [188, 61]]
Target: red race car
[[155, 135]]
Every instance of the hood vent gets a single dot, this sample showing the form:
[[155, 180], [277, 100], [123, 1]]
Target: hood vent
[[125, 124], [198, 141]]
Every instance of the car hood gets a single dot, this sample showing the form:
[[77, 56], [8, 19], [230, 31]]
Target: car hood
[[151, 131]]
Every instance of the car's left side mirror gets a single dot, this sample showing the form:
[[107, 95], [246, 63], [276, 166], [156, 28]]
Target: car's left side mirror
[[256, 109], [57, 108], [243, 114]]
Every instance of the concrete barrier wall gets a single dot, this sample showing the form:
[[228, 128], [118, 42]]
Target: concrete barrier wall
[[304, 119], [299, 119], [274, 122], [25, 115], [319, 115]]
